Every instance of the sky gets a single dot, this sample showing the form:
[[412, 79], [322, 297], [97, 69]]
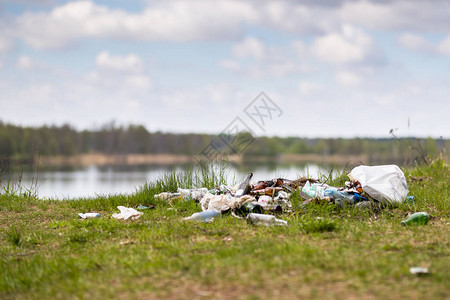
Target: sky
[[323, 68]]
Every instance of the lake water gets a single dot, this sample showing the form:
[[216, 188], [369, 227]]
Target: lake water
[[92, 181]]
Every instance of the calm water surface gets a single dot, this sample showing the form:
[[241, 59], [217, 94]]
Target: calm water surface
[[92, 181]]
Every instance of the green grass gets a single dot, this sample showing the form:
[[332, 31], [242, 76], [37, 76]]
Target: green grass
[[327, 251]]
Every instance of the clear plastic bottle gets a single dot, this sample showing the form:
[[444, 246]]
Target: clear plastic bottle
[[205, 216], [341, 196], [267, 220], [89, 215], [166, 196]]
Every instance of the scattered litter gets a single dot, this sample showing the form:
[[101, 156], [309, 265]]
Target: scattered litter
[[126, 213], [127, 242], [419, 271], [410, 199], [143, 207], [205, 216], [167, 196], [183, 194], [348, 195], [266, 220], [227, 239], [419, 218], [193, 194], [89, 215], [370, 187]]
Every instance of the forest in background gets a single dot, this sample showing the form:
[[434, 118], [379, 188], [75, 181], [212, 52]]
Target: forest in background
[[18, 142]]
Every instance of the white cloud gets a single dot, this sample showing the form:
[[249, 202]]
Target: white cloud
[[368, 13], [250, 47], [41, 93], [24, 62], [348, 78], [6, 43], [397, 15], [27, 63], [323, 16], [126, 74], [444, 46], [296, 16], [309, 87], [266, 69], [168, 21], [124, 83], [253, 58], [182, 20], [350, 45], [139, 81], [414, 42], [300, 48], [418, 43], [130, 63]]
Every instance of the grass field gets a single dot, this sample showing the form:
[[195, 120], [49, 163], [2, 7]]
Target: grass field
[[327, 251]]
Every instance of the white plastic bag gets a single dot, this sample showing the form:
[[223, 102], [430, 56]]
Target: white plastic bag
[[385, 183]]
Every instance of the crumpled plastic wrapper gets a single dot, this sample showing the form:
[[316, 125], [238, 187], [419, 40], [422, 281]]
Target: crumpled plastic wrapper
[[127, 213], [275, 203], [223, 202]]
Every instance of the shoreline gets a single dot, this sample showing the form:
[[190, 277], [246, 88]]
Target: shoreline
[[99, 159]]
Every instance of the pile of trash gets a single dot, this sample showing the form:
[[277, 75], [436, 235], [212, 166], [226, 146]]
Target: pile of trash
[[384, 185], [368, 184]]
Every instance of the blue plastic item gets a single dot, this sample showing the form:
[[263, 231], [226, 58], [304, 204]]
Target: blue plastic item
[[342, 196]]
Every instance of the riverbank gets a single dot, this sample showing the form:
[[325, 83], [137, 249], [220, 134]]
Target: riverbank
[[326, 251]]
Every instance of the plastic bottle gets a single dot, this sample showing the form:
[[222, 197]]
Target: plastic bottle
[[341, 196], [244, 187], [167, 196], [89, 215], [267, 220], [204, 216], [419, 218], [419, 271]]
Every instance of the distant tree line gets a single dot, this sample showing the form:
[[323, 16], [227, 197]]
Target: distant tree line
[[20, 142]]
